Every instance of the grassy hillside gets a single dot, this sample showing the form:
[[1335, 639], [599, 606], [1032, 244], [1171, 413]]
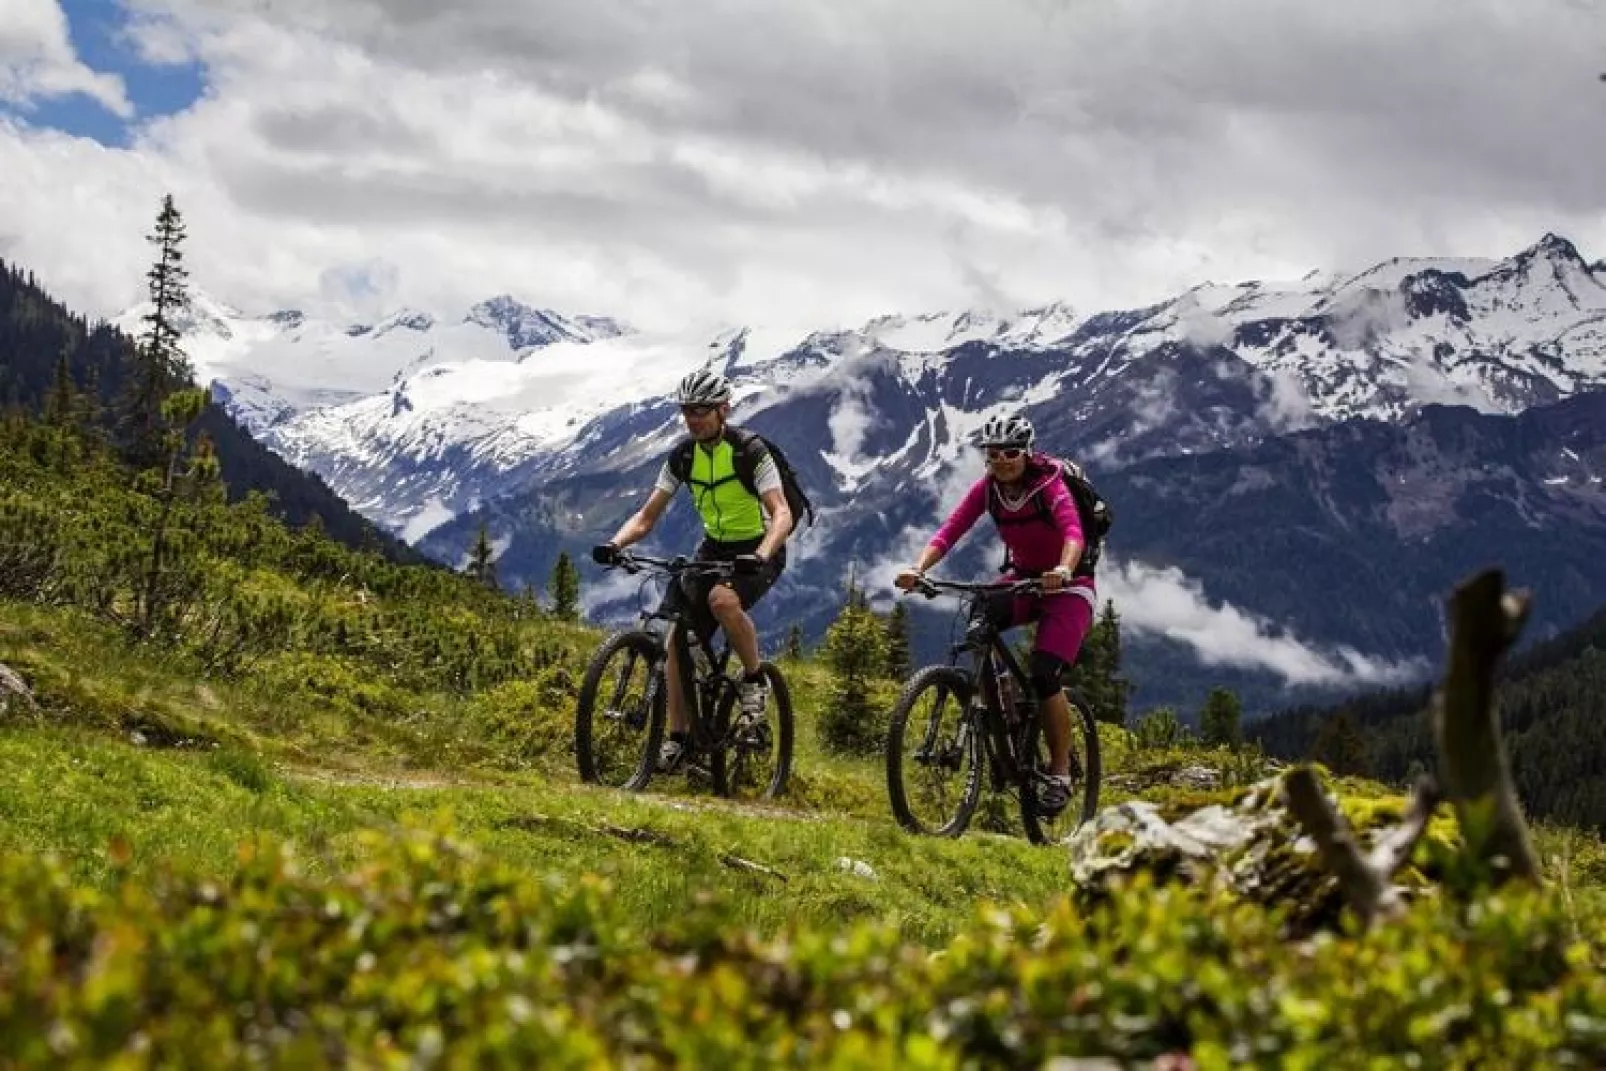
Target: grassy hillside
[[278, 801]]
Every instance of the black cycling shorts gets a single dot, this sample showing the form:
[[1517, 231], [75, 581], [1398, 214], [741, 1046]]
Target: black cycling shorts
[[750, 589]]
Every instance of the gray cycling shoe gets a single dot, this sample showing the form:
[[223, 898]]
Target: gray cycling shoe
[[753, 695], [1053, 794], [670, 754]]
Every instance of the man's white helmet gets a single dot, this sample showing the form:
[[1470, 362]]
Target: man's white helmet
[[703, 387]]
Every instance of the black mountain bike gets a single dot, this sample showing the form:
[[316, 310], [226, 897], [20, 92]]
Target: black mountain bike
[[619, 723], [982, 718]]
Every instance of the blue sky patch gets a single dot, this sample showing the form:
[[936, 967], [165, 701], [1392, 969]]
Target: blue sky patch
[[96, 29]]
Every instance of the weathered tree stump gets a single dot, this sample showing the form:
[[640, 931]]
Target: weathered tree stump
[[1474, 776]]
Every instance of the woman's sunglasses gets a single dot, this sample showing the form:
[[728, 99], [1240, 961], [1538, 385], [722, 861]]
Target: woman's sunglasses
[[1004, 453]]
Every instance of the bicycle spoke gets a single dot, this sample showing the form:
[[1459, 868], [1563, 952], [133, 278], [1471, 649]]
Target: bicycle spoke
[[614, 724], [931, 754]]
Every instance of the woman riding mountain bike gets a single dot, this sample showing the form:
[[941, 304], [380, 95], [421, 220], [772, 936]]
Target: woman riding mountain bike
[[1037, 519]]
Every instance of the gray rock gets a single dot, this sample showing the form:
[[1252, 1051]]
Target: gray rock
[[857, 867], [14, 691], [1253, 848]]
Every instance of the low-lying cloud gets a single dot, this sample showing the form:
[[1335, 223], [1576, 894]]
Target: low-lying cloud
[[1166, 602]]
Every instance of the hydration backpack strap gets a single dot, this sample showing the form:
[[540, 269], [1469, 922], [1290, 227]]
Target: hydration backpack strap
[[746, 448], [680, 460]]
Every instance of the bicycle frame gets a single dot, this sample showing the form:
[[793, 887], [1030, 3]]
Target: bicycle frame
[[989, 654], [700, 692]]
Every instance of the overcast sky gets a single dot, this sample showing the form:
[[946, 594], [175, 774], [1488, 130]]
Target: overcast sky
[[806, 162]]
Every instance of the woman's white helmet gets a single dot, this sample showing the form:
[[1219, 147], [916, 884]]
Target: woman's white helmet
[[703, 387], [1007, 431]]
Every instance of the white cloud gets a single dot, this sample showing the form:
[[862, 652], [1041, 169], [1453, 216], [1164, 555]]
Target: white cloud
[[813, 161], [37, 60], [1165, 602], [1287, 406], [158, 39]]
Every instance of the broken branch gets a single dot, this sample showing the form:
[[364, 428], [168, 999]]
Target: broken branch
[[1393, 848], [736, 862], [1485, 621], [1366, 888]]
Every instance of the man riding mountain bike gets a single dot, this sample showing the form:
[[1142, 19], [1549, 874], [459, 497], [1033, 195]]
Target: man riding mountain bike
[[745, 521], [1037, 519]]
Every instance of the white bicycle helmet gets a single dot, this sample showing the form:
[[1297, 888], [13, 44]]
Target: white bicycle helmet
[[1007, 431], [703, 387]]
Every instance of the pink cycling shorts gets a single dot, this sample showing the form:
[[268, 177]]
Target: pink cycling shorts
[[1063, 619]]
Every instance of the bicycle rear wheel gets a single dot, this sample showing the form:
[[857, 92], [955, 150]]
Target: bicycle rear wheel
[[756, 759], [619, 720], [1087, 772], [933, 754]]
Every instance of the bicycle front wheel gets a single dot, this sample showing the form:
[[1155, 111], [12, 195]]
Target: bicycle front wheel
[[1050, 826], [756, 760], [933, 754], [619, 721]]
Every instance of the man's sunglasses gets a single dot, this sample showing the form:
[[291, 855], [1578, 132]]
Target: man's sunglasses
[[697, 410], [1004, 453]]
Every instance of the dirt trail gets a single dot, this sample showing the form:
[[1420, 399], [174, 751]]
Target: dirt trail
[[423, 781]]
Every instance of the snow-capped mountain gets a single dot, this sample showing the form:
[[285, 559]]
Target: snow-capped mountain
[[549, 426], [428, 412], [414, 418]]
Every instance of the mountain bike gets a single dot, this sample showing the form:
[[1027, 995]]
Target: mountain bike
[[619, 722], [982, 719]]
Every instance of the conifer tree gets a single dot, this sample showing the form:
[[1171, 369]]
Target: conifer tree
[[855, 652], [1117, 689], [160, 364], [1340, 746], [61, 402], [564, 587], [482, 560], [898, 658], [1219, 722]]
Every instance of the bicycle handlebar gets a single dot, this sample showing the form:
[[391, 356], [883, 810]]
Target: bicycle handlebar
[[635, 563], [932, 588]]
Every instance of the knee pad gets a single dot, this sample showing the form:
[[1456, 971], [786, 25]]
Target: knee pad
[[1045, 671]]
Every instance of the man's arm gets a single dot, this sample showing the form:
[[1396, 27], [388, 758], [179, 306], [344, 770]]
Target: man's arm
[[780, 525], [642, 521], [772, 493]]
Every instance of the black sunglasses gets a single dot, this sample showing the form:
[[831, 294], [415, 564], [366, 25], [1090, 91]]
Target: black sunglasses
[[697, 410], [1006, 453]]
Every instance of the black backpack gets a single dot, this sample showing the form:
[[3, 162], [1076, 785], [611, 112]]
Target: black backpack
[[1091, 509], [748, 449]]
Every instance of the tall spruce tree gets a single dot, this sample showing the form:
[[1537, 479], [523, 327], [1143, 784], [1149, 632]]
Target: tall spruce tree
[[482, 560], [1097, 673], [160, 364], [1117, 689]]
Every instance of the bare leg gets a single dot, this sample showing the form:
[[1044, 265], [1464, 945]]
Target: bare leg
[[727, 608], [1056, 714], [677, 699]]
